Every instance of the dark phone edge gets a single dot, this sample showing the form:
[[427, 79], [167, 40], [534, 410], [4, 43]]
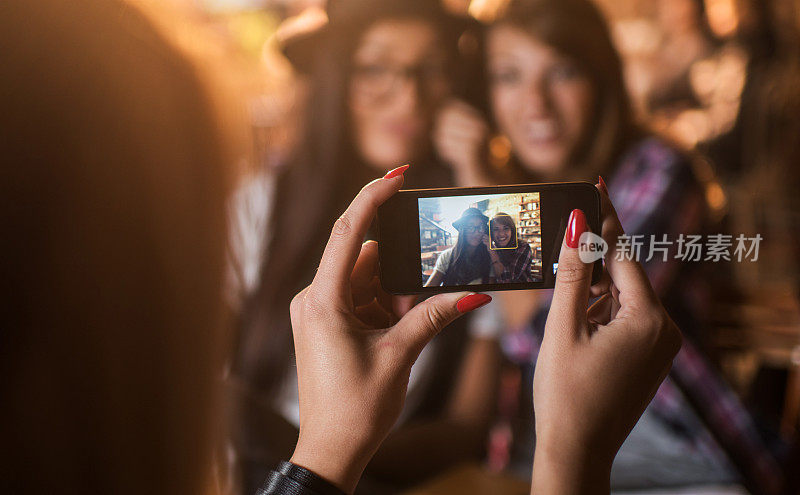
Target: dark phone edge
[[502, 186], [597, 269]]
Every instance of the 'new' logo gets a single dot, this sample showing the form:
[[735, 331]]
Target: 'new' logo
[[591, 247]]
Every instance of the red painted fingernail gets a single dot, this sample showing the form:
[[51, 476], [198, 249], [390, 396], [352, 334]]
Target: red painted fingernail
[[603, 185], [472, 302], [575, 227], [396, 171]]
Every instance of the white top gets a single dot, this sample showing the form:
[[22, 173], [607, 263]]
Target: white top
[[248, 215], [444, 261]]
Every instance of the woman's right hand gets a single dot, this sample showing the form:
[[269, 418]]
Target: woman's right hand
[[460, 137], [353, 355], [487, 241], [598, 368]]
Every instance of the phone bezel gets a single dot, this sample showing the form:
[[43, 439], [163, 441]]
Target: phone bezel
[[397, 254]]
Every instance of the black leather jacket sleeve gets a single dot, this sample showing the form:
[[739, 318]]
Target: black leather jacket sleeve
[[291, 479]]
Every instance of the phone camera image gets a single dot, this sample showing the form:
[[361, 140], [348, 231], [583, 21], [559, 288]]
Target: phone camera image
[[480, 239]]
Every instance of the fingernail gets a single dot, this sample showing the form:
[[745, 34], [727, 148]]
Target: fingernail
[[603, 185], [396, 171], [575, 227], [472, 302]]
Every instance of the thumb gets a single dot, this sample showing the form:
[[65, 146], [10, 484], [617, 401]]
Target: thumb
[[423, 322], [573, 279]]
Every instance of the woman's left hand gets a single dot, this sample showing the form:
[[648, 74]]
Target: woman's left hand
[[353, 356], [598, 367]]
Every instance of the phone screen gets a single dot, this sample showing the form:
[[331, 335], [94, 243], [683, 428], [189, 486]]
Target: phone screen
[[478, 239]]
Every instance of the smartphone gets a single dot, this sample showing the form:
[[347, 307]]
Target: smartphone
[[479, 238]]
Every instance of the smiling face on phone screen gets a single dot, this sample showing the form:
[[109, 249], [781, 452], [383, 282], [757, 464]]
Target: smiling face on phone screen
[[501, 234]]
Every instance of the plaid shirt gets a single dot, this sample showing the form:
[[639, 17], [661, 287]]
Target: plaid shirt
[[654, 193], [516, 265]]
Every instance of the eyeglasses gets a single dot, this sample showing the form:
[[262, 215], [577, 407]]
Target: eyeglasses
[[471, 229], [377, 81]]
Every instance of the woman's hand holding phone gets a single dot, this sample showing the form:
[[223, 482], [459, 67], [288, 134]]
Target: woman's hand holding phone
[[598, 368], [596, 372], [353, 355]]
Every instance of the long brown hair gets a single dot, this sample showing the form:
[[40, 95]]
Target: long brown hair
[[113, 189], [577, 30]]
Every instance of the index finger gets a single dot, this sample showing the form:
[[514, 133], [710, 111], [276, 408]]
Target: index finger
[[344, 243], [465, 107]]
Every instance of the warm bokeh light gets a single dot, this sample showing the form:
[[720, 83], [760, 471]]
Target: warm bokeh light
[[487, 10], [715, 196], [499, 151], [723, 17]]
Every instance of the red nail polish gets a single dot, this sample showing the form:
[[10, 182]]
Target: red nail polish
[[472, 302], [603, 185], [575, 227], [396, 171]]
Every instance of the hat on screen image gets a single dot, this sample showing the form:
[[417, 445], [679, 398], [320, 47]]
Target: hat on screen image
[[301, 37], [469, 214]]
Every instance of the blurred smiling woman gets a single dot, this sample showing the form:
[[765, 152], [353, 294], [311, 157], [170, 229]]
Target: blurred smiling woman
[[557, 93]]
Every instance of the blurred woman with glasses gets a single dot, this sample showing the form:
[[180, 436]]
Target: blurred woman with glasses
[[376, 73]]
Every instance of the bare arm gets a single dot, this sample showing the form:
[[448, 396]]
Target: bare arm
[[435, 280]]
